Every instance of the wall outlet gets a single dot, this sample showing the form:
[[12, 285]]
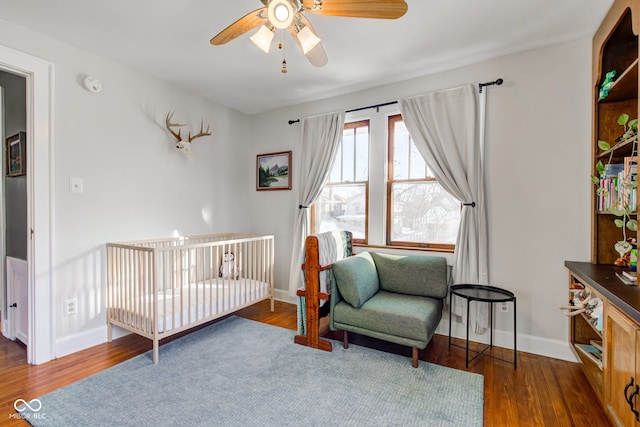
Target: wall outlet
[[504, 307], [70, 307]]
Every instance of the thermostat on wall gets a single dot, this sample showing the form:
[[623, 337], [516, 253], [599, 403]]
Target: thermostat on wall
[[92, 84]]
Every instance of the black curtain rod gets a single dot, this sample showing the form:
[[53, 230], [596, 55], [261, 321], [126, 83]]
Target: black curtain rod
[[377, 107], [497, 82]]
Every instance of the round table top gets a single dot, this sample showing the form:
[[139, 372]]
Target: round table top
[[482, 293]]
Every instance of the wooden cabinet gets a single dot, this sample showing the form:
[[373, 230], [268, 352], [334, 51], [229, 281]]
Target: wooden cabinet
[[616, 380], [622, 373], [615, 49]]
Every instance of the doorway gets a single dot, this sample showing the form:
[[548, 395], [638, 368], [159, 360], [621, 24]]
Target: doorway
[[13, 216], [38, 76]]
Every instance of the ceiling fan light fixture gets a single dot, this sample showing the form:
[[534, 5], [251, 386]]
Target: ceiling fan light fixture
[[280, 13], [262, 38], [308, 40]]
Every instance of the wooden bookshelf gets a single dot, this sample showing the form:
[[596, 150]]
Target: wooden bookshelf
[[615, 47]]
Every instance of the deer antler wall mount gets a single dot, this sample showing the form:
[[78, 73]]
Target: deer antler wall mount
[[184, 146]]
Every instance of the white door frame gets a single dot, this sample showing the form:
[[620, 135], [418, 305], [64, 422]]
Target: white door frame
[[39, 76], [7, 322]]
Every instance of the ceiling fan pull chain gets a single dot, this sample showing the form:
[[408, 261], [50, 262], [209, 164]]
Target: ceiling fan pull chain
[[284, 54]]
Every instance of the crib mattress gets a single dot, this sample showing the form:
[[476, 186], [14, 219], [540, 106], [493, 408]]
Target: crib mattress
[[190, 304]]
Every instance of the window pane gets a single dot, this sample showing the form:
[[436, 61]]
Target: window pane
[[348, 158], [335, 169], [401, 149], [362, 153], [418, 166], [424, 212], [342, 207]]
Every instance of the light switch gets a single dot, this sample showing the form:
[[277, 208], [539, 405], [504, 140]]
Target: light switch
[[76, 185]]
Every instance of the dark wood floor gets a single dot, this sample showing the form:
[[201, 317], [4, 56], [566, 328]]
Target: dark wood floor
[[541, 392]]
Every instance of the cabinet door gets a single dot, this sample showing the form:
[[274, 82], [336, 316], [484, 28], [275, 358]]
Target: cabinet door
[[620, 366]]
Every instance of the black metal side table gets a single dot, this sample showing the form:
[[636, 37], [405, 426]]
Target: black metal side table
[[482, 293]]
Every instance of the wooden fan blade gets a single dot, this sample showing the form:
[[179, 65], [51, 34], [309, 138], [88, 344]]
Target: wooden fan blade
[[316, 56], [380, 9], [248, 22]]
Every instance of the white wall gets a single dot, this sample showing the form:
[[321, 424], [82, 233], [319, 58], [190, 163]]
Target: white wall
[[537, 158], [136, 185]]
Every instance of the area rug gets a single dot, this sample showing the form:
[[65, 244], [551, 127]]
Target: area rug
[[238, 372]]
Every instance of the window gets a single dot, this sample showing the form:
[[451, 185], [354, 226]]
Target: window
[[381, 189], [344, 201], [419, 211]]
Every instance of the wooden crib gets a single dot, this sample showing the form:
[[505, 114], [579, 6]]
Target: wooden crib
[[158, 288]]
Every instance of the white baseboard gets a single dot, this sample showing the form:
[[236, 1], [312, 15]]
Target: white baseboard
[[556, 349], [22, 337], [81, 341], [540, 346], [281, 295]]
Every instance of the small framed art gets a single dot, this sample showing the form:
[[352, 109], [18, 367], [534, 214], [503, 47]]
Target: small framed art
[[273, 171], [16, 154]]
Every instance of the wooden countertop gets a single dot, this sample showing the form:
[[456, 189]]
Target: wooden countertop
[[602, 278]]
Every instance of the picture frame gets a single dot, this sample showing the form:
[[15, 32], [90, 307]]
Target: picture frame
[[273, 171], [16, 154]]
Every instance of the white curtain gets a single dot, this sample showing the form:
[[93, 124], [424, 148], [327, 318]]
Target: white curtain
[[321, 136], [447, 127]]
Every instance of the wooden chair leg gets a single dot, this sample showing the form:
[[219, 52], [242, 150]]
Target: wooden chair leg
[[414, 359], [345, 339]]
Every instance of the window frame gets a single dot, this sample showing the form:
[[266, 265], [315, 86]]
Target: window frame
[[391, 121], [313, 217]]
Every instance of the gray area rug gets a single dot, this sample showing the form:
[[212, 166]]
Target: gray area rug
[[238, 372]]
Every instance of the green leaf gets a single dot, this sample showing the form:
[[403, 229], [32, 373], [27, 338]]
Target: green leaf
[[599, 191], [633, 124], [595, 180], [623, 119], [619, 223], [617, 212], [632, 225], [600, 166], [604, 145]]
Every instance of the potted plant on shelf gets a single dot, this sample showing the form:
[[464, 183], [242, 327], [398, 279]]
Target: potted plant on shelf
[[624, 183]]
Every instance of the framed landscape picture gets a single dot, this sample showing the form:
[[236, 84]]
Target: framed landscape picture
[[273, 171], [16, 154]]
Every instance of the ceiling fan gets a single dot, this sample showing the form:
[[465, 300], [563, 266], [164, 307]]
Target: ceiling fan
[[283, 14]]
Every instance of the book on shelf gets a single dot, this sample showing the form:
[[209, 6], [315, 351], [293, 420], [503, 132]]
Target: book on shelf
[[618, 186], [592, 352], [630, 169], [624, 279], [597, 344], [631, 275]]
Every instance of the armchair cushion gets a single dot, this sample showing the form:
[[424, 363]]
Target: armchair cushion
[[357, 278], [412, 275]]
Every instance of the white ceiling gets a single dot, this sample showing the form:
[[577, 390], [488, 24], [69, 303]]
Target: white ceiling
[[170, 40]]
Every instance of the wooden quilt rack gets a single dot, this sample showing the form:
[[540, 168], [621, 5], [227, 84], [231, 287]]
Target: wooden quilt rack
[[313, 296]]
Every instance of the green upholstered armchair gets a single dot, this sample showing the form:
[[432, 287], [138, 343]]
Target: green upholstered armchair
[[390, 297]]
